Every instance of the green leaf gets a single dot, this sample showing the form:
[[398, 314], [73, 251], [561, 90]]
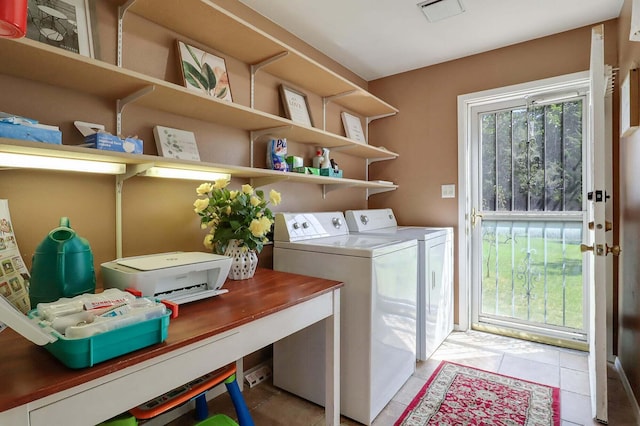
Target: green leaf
[[194, 77], [210, 76], [193, 55], [222, 93]]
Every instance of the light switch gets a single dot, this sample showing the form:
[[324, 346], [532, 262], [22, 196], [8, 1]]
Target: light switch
[[449, 191]]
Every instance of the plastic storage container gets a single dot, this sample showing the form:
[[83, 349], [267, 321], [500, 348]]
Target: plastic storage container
[[86, 352]]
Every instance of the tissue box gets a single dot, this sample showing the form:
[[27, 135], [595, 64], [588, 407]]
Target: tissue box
[[109, 142], [30, 133], [306, 170], [331, 173]]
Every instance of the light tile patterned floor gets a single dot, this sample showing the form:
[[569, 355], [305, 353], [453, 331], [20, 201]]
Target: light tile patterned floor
[[549, 365]]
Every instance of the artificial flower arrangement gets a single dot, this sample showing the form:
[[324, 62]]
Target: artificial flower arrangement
[[234, 215]]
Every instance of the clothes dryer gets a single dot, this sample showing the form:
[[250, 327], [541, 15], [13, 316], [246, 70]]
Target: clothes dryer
[[377, 312], [435, 271]]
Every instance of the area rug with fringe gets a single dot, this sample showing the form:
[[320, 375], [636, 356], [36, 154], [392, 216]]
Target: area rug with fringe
[[463, 396]]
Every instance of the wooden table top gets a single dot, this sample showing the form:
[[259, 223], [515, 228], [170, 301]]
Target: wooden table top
[[30, 372]]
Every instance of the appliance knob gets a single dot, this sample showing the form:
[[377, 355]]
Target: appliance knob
[[337, 222], [296, 225], [364, 219], [305, 225]]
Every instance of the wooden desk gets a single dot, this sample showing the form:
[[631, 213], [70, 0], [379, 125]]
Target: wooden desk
[[39, 390]]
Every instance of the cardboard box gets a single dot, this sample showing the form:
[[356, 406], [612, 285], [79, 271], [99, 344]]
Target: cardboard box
[[30, 133], [109, 142], [306, 170], [331, 173]]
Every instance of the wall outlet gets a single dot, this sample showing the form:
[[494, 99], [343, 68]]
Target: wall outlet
[[257, 375], [448, 191]]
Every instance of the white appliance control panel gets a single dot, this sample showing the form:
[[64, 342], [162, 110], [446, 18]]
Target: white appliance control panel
[[304, 226]]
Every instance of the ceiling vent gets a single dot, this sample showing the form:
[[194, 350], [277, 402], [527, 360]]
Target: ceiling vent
[[437, 10]]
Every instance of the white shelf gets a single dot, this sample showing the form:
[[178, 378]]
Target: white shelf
[[260, 176]]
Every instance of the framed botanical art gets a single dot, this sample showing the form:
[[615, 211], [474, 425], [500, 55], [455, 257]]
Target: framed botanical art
[[353, 127], [296, 106], [176, 143], [204, 72], [62, 23]]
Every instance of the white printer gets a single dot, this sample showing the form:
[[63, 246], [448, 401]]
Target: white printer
[[177, 276]]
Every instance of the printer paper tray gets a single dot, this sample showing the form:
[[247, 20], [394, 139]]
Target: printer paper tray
[[189, 295]]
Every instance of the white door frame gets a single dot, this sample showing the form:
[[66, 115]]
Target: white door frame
[[465, 104]]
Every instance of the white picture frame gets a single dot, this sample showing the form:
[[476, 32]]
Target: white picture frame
[[296, 106], [61, 23], [353, 127], [176, 143]]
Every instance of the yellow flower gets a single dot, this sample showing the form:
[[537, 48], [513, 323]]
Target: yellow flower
[[228, 210], [274, 197], [208, 241], [221, 183], [200, 204], [247, 189], [256, 228], [266, 224], [254, 200], [205, 188], [233, 195]]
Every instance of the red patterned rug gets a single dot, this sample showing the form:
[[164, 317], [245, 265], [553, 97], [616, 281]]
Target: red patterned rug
[[460, 395]]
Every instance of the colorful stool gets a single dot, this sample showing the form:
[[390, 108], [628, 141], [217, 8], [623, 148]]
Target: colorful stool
[[196, 389]]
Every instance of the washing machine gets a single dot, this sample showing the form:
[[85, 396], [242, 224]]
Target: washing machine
[[377, 312], [435, 271]]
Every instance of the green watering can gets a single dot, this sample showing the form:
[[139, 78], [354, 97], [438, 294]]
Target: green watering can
[[62, 266]]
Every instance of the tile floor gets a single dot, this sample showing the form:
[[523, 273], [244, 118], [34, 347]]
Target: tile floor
[[567, 369]]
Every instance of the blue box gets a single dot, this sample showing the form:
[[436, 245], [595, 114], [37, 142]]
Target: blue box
[[30, 133], [109, 142]]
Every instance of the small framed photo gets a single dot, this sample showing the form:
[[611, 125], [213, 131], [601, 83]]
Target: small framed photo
[[62, 23], [204, 72], [353, 127], [296, 106], [176, 143]]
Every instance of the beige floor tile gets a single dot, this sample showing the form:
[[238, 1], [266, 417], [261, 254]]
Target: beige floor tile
[[533, 371], [575, 381], [574, 360]]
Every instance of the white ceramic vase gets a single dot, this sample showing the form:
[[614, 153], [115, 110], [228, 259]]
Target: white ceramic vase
[[244, 263]]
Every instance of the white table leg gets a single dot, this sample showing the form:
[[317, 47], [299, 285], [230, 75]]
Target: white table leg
[[332, 364]]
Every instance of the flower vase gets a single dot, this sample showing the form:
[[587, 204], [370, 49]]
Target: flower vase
[[243, 263]]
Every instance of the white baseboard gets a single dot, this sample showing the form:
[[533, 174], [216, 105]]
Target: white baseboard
[[628, 390]]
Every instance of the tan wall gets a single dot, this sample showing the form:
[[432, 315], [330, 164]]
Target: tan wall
[[425, 132], [158, 214], [629, 315]]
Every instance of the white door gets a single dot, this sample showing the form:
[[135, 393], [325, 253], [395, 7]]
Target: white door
[[598, 247]]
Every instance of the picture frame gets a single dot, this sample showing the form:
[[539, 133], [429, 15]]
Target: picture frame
[[296, 106], [204, 72], [353, 127], [62, 23], [176, 143]]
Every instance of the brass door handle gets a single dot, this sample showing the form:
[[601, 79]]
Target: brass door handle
[[474, 217], [600, 250]]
